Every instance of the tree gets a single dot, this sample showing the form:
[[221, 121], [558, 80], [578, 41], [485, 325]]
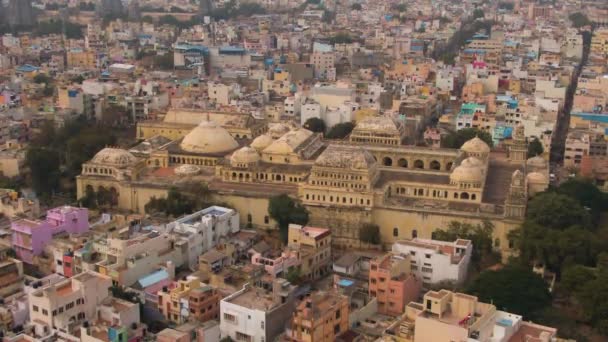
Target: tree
[[340, 131], [44, 170], [315, 124], [42, 78], [535, 148], [285, 210], [356, 7], [294, 275], [579, 20], [587, 195], [514, 289], [370, 233], [480, 235], [478, 13], [574, 278], [556, 211], [593, 297], [458, 138]]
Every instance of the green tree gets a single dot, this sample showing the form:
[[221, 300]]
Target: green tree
[[294, 275], [356, 7], [44, 170], [556, 211], [579, 20], [315, 124], [593, 297], [481, 237], [574, 278], [458, 138], [42, 78], [588, 196], [535, 148], [478, 13], [514, 289], [370, 233], [285, 210], [340, 131]]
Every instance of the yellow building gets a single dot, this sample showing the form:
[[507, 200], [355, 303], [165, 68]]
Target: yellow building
[[314, 245], [599, 42], [402, 189], [78, 58], [170, 302]]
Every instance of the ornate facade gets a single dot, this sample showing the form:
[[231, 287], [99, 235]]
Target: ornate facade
[[407, 191]]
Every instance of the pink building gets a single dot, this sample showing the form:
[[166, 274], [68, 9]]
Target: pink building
[[391, 281], [276, 264], [30, 236]]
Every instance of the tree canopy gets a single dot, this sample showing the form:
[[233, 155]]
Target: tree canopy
[[514, 289], [315, 124], [579, 20], [457, 138], [481, 237], [535, 148], [285, 210], [340, 131], [370, 233], [186, 199]]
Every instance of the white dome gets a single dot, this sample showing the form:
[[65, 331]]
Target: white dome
[[187, 169], [277, 130], [245, 155], [475, 145], [536, 178], [114, 157], [466, 174], [472, 162], [261, 142], [537, 162], [208, 137]]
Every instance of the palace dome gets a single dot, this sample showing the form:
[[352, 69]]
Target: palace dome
[[471, 162], [114, 157], [261, 142], [277, 130], [187, 169], [475, 145], [208, 137], [244, 155], [536, 178], [537, 162], [467, 174]]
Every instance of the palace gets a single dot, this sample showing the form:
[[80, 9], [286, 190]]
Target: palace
[[369, 177]]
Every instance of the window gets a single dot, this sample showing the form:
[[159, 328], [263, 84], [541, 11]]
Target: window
[[338, 313], [262, 324], [428, 256], [35, 308], [266, 219], [54, 312], [395, 231], [45, 312], [59, 262], [336, 329], [414, 234], [69, 306], [427, 270], [230, 318]]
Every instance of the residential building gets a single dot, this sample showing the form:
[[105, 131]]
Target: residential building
[[12, 205], [65, 305], [320, 317], [204, 304], [392, 282], [314, 246], [255, 315], [174, 303], [445, 316], [30, 236], [11, 273], [436, 261]]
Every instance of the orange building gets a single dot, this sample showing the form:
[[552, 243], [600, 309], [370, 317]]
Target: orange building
[[392, 282], [204, 303], [320, 317]]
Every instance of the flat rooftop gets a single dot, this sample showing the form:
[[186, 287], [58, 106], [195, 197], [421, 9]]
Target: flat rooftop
[[255, 299]]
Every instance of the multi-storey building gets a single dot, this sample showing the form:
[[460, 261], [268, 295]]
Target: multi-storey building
[[314, 249], [320, 317], [446, 316], [174, 304], [11, 274], [256, 315], [392, 282], [435, 261], [30, 236], [204, 304], [65, 305]]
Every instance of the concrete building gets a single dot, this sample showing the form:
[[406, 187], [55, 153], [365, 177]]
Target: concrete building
[[392, 282], [12, 205], [30, 236], [201, 231], [256, 315], [188, 299], [314, 249], [320, 317], [67, 304], [446, 316], [435, 261], [11, 274]]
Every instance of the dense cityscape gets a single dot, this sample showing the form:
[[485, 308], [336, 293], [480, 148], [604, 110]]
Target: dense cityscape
[[304, 170]]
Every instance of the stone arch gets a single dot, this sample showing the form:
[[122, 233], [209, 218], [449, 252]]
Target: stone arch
[[395, 232], [464, 195], [402, 162], [387, 161], [435, 165], [418, 164], [473, 196]]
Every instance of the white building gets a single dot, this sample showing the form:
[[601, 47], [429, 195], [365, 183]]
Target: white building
[[311, 109], [256, 315], [221, 93], [435, 261], [202, 230], [293, 105]]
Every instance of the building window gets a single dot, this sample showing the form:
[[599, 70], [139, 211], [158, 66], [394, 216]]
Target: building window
[[230, 318], [427, 270], [338, 313], [395, 231], [337, 329], [262, 325], [45, 312], [414, 234], [35, 308], [428, 256], [266, 219]]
